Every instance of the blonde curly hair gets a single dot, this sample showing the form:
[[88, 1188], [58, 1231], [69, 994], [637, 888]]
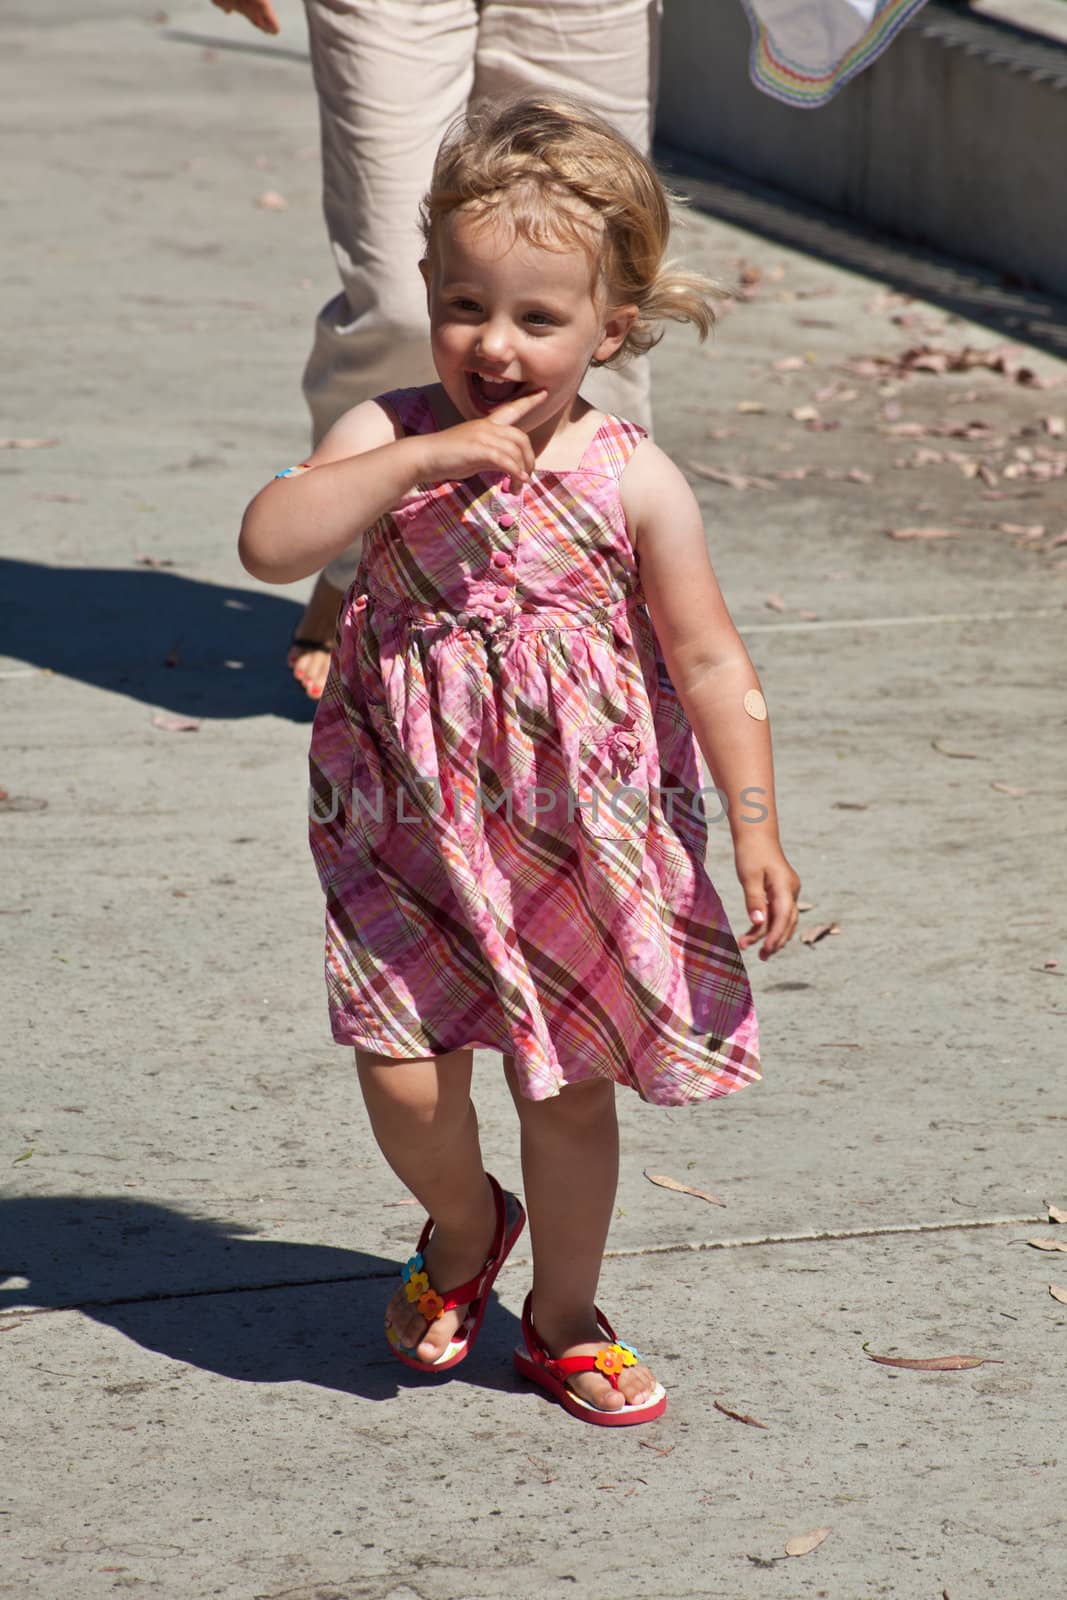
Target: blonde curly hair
[[562, 177]]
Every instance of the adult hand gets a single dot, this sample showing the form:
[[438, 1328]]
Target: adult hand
[[260, 13], [495, 443]]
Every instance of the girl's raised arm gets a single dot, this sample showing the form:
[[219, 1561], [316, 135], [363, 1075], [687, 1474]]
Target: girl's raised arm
[[715, 682], [296, 525]]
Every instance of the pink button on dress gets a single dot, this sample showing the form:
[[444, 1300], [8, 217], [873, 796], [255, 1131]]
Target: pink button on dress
[[503, 799]]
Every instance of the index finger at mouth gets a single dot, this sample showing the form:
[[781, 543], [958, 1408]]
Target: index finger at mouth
[[513, 411]]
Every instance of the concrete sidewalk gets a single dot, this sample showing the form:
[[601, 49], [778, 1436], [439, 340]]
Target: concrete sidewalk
[[197, 1231]]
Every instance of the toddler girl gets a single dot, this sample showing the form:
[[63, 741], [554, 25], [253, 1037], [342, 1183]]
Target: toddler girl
[[507, 813]]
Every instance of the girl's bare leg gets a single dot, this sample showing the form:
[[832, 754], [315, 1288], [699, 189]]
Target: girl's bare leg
[[427, 1129], [570, 1168]]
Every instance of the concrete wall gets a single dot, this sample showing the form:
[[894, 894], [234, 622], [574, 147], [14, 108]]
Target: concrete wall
[[956, 138]]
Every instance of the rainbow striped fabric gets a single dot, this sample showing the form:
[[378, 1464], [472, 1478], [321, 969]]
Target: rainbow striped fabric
[[504, 797], [803, 51]]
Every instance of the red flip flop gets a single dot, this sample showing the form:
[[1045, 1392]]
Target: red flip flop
[[551, 1375], [474, 1294]]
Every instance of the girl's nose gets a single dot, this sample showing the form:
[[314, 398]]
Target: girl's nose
[[495, 343]]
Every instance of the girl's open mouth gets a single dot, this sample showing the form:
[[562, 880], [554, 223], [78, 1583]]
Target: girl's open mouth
[[488, 393]]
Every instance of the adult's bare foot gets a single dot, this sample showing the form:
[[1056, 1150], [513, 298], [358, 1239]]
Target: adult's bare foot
[[309, 654]]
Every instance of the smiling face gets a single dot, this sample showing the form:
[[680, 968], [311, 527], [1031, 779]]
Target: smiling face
[[508, 318]]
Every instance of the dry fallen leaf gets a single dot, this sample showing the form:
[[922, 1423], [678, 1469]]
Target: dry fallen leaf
[[1057, 1214], [774, 602], [804, 414], [928, 358], [789, 364], [902, 430], [271, 200], [1058, 1292], [27, 444], [739, 1416], [176, 724], [1007, 788], [802, 1544], [683, 1188], [957, 755], [751, 408], [813, 935], [934, 1363], [732, 480], [1047, 1244], [922, 533], [1057, 426]]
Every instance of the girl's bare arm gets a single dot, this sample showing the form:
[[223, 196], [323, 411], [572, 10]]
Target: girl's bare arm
[[296, 526], [715, 681]]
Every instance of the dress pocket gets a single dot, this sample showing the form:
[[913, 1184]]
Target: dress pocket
[[613, 798]]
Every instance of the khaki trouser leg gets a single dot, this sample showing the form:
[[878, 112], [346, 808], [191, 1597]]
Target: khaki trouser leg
[[391, 75], [606, 54]]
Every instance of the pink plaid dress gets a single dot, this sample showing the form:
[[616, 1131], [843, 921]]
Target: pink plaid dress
[[503, 797]]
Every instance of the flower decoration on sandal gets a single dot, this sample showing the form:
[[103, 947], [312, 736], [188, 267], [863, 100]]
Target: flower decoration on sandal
[[431, 1305], [608, 1361], [416, 1286], [411, 1266], [416, 1281], [612, 1358]]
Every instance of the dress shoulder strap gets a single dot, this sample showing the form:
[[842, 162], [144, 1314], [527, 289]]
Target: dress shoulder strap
[[612, 446], [409, 408]]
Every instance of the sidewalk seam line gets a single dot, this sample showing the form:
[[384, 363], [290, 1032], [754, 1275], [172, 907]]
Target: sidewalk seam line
[[831, 623], [815, 1237]]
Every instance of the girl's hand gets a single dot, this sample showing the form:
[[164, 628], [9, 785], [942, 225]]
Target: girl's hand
[[259, 12], [771, 888], [488, 444]]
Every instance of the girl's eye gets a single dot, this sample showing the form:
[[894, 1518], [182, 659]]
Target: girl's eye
[[541, 319], [462, 304]]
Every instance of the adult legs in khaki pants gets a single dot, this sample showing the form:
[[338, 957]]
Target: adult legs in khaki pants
[[391, 75]]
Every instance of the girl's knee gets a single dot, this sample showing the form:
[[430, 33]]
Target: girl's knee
[[429, 1093], [578, 1106]]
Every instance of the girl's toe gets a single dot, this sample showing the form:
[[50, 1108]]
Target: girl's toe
[[637, 1385], [597, 1391]]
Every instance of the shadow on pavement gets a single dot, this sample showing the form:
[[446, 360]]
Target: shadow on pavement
[[117, 629], [205, 1293]]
